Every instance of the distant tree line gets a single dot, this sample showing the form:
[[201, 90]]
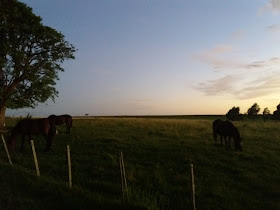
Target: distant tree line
[[253, 113]]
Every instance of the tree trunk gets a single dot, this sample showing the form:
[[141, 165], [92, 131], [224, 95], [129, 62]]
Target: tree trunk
[[2, 116]]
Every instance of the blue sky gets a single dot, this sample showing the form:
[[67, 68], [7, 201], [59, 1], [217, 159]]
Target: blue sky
[[164, 57]]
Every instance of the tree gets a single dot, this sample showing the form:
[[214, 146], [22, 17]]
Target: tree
[[253, 111], [266, 114], [31, 55], [233, 114], [276, 113]]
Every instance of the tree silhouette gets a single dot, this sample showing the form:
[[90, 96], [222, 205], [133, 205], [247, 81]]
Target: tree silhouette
[[266, 114], [31, 55], [253, 111], [276, 113], [233, 114]]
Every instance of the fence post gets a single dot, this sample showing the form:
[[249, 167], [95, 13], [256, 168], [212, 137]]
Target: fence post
[[35, 158], [7, 151], [193, 186], [123, 177], [69, 166]]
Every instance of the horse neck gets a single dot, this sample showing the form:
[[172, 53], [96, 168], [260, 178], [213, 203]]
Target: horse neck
[[15, 133]]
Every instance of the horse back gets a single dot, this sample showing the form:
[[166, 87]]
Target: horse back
[[224, 128], [61, 119], [32, 126]]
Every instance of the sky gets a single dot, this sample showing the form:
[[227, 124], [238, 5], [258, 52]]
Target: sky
[[164, 57]]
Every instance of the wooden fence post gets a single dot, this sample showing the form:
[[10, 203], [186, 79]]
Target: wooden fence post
[[193, 187], [123, 177], [35, 158], [69, 166], [7, 151]]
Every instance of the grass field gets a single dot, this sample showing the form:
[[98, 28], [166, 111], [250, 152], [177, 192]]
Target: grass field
[[157, 154]]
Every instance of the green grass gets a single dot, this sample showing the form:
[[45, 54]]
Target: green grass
[[157, 154]]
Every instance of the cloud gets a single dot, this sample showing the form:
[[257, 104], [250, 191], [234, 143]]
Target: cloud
[[259, 87], [275, 4], [273, 28], [220, 57], [264, 64], [271, 6], [240, 86], [257, 78], [225, 57], [219, 86]]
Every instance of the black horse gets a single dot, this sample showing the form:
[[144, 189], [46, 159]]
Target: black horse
[[28, 127], [61, 119], [226, 130]]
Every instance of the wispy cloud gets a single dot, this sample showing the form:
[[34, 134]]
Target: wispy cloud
[[273, 28], [264, 64], [220, 56], [271, 6], [226, 57], [256, 78], [240, 87], [259, 87], [219, 86]]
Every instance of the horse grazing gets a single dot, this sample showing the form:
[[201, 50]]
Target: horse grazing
[[61, 119], [227, 130], [28, 127]]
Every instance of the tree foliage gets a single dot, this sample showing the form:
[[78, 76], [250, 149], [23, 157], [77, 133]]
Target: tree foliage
[[31, 55], [266, 114], [276, 113], [253, 111], [233, 114]]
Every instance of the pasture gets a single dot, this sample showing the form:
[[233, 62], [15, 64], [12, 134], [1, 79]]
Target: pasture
[[157, 153]]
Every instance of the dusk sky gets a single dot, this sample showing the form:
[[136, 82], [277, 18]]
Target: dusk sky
[[164, 57]]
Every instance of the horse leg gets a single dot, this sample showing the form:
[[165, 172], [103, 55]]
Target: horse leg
[[226, 141], [49, 140], [48, 143], [67, 128], [22, 143]]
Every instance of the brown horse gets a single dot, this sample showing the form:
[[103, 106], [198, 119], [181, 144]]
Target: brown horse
[[226, 130], [28, 127], [61, 119]]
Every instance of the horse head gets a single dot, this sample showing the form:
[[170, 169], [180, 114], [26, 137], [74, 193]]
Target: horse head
[[238, 144]]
